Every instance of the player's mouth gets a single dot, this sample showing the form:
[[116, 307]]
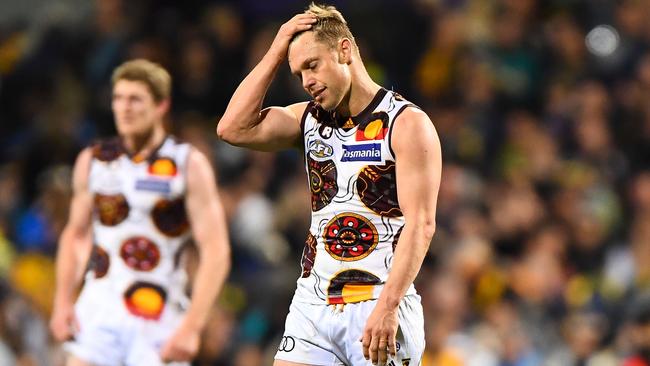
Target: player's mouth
[[317, 93], [127, 119]]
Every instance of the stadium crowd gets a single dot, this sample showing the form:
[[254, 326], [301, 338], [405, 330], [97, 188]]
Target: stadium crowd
[[542, 250]]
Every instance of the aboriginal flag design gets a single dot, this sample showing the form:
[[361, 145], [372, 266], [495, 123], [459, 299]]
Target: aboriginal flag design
[[140, 254], [145, 300], [99, 261], [111, 209], [107, 150], [350, 237], [374, 128], [163, 167], [170, 217], [322, 183], [351, 286], [378, 190], [308, 255]]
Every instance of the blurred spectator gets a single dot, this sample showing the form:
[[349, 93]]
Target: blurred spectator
[[640, 332]]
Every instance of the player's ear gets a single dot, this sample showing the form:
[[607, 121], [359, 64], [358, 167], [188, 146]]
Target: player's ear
[[345, 51], [163, 106]]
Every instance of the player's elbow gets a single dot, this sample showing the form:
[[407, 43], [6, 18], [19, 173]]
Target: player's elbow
[[232, 131], [71, 234], [429, 228], [223, 131]]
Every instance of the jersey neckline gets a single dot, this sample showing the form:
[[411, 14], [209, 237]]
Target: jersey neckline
[[349, 122]]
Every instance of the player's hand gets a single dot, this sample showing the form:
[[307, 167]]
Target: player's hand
[[298, 23], [182, 346], [63, 323], [378, 339]]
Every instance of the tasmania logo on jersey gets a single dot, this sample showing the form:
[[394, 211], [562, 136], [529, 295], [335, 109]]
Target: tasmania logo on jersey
[[376, 129], [362, 152]]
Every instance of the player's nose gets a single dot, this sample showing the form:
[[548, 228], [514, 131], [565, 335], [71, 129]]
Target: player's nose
[[308, 83]]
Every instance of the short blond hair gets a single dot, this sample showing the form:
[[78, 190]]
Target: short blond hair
[[330, 26], [150, 73]]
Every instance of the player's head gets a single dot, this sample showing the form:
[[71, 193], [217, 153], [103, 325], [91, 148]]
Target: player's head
[[322, 56], [141, 92]]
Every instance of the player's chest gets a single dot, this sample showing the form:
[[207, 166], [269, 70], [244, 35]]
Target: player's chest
[[348, 149], [141, 186]]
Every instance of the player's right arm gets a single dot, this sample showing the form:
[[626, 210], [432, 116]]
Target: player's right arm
[[244, 123], [74, 243]]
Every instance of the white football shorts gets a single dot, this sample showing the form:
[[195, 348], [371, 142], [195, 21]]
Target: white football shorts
[[110, 336], [326, 335]]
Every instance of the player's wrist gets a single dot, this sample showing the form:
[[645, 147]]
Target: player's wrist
[[62, 300], [192, 324], [389, 302], [276, 54]]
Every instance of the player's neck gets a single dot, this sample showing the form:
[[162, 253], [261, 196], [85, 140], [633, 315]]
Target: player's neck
[[362, 91], [144, 144]]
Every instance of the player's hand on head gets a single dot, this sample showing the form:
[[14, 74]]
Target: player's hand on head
[[183, 345], [63, 323], [378, 338], [299, 23]]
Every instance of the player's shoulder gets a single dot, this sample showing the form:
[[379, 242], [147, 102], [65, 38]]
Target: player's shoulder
[[413, 127], [300, 108], [412, 112], [174, 148], [106, 149], [174, 142]]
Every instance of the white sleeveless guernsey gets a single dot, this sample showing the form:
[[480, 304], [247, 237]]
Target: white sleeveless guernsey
[[139, 226], [356, 219]]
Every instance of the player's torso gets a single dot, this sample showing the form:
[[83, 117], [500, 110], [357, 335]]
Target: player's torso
[[356, 218], [139, 224]]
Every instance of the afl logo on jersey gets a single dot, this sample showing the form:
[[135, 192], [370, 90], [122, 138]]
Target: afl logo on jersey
[[319, 149]]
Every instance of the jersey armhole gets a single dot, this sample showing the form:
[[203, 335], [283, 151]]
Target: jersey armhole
[[303, 120], [392, 126]]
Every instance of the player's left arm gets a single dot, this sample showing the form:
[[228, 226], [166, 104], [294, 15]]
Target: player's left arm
[[418, 166], [209, 229]]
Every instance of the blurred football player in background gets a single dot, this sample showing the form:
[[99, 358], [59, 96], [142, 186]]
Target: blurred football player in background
[[138, 201]]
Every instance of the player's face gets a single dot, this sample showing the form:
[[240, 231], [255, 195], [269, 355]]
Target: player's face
[[322, 70], [134, 109]]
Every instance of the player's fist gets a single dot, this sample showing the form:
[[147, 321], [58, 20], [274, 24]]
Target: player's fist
[[378, 338], [63, 323], [182, 346]]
